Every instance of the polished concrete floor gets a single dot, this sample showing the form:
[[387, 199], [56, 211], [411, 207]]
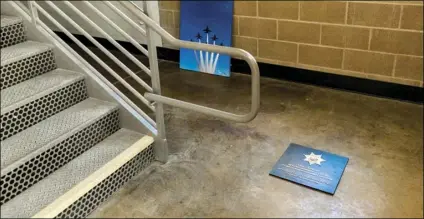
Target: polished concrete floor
[[220, 169]]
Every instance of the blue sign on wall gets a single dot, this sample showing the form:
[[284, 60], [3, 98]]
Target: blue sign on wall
[[310, 167], [208, 22]]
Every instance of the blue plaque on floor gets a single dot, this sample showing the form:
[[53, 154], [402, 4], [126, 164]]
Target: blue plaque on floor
[[310, 167]]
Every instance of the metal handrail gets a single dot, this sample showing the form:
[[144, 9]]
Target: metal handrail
[[235, 52], [128, 20], [86, 34], [107, 36], [23, 7], [153, 31], [91, 39], [35, 6], [126, 35]]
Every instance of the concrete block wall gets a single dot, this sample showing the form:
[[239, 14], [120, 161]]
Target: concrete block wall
[[380, 40]]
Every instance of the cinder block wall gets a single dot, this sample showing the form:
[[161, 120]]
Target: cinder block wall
[[380, 40]]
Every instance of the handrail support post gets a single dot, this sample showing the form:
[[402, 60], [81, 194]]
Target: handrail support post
[[161, 145]]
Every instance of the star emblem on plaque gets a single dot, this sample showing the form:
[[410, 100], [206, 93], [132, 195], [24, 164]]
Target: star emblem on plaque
[[313, 158], [310, 167]]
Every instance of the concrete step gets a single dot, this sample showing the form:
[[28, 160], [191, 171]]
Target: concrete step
[[25, 60], [38, 98], [78, 187], [33, 153], [12, 31]]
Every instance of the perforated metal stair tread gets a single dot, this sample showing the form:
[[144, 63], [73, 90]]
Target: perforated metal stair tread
[[26, 144], [50, 188], [32, 89], [23, 50], [9, 20]]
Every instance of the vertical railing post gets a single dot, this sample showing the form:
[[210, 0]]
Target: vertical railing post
[[161, 145], [33, 11]]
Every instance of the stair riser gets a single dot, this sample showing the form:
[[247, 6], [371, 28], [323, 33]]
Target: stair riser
[[27, 68], [34, 170], [12, 34], [30, 114], [101, 192]]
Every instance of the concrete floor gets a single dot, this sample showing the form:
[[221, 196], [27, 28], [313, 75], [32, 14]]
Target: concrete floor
[[220, 169]]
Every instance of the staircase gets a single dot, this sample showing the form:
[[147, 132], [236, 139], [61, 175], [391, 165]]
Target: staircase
[[62, 152]]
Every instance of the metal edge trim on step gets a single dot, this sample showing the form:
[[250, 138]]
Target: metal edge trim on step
[[56, 141], [67, 199], [15, 20], [42, 108], [76, 146], [40, 63], [39, 95], [42, 47]]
